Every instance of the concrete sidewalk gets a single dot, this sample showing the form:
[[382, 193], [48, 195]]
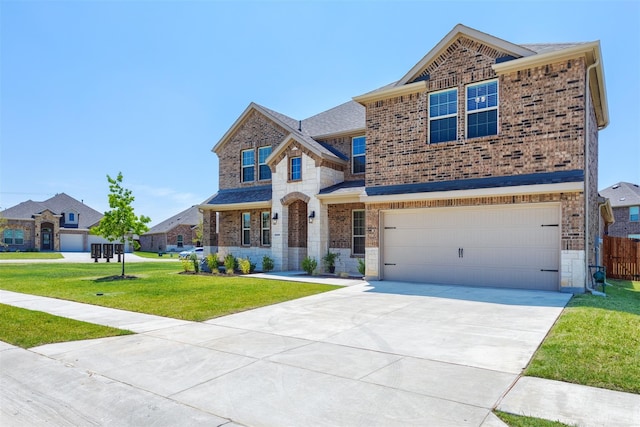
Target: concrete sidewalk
[[86, 257], [379, 353]]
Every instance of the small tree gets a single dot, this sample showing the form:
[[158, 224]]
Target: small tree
[[120, 223], [197, 233]]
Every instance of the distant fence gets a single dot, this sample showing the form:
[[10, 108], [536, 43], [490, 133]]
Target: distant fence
[[621, 257]]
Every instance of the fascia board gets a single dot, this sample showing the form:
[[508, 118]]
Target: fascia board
[[351, 197], [566, 187], [241, 119], [236, 206], [463, 30], [391, 92]]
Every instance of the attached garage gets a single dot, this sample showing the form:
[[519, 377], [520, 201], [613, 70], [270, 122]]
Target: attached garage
[[500, 246], [71, 242]]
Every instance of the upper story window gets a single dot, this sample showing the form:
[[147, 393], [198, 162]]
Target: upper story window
[[248, 165], [266, 228], [358, 150], [634, 213], [295, 169], [264, 171], [443, 116], [72, 217], [13, 237], [246, 229], [482, 109]]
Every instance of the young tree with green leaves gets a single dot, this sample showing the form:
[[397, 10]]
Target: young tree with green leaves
[[120, 223], [3, 225]]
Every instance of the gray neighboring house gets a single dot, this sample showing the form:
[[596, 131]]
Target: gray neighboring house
[[60, 223], [174, 234], [625, 202]]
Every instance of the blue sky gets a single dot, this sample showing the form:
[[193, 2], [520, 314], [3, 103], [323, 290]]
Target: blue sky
[[90, 88]]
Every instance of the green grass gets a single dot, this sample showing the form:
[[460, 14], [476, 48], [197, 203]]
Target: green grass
[[521, 421], [154, 255], [159, 289], [596, 341], [27, 328], [30, 255]]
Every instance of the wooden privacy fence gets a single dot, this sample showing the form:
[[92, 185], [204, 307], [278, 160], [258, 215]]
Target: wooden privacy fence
[[621, 257]]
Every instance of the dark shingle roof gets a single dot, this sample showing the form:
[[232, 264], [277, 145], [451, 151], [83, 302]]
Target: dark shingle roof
[[343, 186], [241, 195], [58, 204], [190, 216], [477, 183], [622, 194]]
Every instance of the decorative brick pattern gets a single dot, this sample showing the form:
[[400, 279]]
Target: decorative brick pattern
[[256, 131]]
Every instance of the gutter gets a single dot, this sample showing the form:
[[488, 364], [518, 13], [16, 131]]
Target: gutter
[[586, 185]]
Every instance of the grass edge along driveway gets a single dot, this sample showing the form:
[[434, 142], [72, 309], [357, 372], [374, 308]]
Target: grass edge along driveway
[[158, 289]]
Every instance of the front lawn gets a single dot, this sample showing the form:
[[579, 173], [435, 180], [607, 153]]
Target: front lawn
[[30, 255], [596, 341], [521, 421], [28, 328], [159, 289]]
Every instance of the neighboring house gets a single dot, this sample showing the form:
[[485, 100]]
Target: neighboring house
[[625, 203], [60, 223], [177, 233], [477, 167]]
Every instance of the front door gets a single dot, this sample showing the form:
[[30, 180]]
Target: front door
[[46, 239]]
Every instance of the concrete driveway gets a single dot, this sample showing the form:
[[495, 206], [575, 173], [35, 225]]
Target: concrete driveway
[[373, 354]]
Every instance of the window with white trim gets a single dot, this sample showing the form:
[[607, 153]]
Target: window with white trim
[[248, 165], [634, 213], [295, 169], [358, 154], [264, 171], [357, 247], [13, 237], [246, 229], [443, 116], [482, 109], [266, 228]]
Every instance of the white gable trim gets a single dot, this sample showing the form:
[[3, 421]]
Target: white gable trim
[[458, 30]]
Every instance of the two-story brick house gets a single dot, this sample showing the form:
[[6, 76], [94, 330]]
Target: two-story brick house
[[625, 203], [477, 167]]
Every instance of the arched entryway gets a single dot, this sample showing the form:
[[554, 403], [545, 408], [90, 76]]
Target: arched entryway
[[297, 233], [46, 237]]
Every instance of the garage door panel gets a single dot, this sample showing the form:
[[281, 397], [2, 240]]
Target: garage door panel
[[514, 246]]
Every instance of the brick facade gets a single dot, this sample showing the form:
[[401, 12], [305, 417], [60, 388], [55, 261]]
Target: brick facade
[[256, 131], [541, 128], [623, 225], [341, 224]]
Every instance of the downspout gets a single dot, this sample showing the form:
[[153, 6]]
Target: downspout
[[586, 184]]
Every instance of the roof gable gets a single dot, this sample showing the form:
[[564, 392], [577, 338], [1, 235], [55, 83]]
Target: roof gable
[[279, 119], [58, 204], [190, 216], [622, 194], [440, 51]]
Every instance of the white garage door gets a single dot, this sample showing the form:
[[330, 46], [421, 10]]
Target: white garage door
[[513, 247], [71, 243]]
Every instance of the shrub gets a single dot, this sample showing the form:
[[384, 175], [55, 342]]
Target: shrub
[[309, 265], [195, 261], [267, 264], [230, 263], [212, 262], [244, 265], [186, 265], [361, 266]]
